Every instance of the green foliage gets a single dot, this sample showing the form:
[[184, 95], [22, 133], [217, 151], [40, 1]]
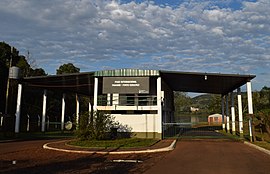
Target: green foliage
[[37, 72], [182, 102], [10, 57], [262, 107], [94, 125], [99, 126], [215, 104], [119, 143], [67, 69]]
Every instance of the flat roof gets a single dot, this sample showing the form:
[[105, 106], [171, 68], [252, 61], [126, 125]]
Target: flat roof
[[214, 83], [82, 83]]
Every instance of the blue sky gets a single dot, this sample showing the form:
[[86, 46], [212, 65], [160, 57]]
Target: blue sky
[[218, 36]]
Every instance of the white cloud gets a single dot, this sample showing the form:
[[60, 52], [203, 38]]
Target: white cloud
[[192, 36]]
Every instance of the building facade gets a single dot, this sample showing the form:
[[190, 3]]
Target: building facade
[[141, 99]]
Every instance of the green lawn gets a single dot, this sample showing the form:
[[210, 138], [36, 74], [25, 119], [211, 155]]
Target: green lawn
[[263, 144], [118, 143]]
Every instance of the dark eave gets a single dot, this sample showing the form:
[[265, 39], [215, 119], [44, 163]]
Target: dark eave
[[83, 83], [214, 83]]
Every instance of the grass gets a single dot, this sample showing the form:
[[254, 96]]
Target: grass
[[118, 143], [263, 144]]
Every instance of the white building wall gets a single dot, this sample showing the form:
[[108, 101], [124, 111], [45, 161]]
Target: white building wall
[[140, 122]]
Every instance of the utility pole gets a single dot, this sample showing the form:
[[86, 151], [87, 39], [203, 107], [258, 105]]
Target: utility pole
[[8, 81]]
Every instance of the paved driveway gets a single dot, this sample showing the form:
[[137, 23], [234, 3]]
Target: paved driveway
[[213, 156], [208, 156]]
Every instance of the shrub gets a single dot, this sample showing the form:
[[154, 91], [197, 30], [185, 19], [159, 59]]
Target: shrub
[[98, 126]]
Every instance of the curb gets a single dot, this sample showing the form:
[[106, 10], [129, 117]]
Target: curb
[[165, 149], [257, 147]]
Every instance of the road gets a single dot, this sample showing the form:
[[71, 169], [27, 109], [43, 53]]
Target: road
[[213, 157], [189, 157], [19, 157]]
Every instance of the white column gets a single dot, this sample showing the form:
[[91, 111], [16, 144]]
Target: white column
[[227, 113], [28, 123], [18, 109], [95, 93], [222, 112], [89, 111], [43, 119], [109, 99], [233, 113], [240, 112], [159, 105], [89, 107], [250, 107], [77, 109], [63, 111], [115, 100], [249, 95]]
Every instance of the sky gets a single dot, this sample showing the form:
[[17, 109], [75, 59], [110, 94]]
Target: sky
[[213, 36]]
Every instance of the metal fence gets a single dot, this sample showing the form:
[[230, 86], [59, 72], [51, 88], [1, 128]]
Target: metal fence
[[191, 130], [128, 100]]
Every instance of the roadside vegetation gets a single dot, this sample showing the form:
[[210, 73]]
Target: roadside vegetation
[[100, 130], [116, 143]]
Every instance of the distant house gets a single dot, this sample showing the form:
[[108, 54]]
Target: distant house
[[193, 109], [215, 119]]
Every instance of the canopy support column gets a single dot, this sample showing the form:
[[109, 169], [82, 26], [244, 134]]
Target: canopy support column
[[250, 108], [233, 113], [227, 113], [109, 99], [18, 109], [159, 105], [95, 93], [77, 109], [90, 112], [43, 119], [240, 112], [63, 112], [222, 111]]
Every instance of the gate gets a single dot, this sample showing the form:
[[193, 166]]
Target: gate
[[192, 127]]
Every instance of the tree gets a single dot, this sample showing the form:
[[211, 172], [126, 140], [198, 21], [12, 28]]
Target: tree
[[37, 72], [215, 104], [262, 106], [67, 69], [9, 56], [182, 102]]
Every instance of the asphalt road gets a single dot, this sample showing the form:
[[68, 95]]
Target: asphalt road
[[213, 157], [189, 157], [19, 157]]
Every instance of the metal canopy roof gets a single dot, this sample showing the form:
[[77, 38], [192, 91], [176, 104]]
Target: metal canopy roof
[[214, 83], [83, 83]]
